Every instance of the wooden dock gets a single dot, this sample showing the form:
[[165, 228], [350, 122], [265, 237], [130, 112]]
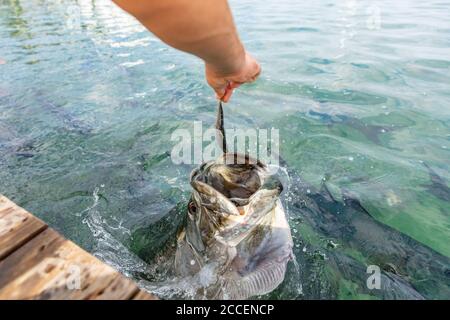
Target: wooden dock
[[36, 262]]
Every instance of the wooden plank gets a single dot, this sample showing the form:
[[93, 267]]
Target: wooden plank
[[41, 264], [51, 267], [120, 289], [16, 227], [5, 203], [18, 269], [97, 280]]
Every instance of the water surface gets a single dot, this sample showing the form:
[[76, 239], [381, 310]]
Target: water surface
[[358, 89]]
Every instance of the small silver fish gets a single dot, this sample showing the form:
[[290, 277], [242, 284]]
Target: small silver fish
[[235, 226]]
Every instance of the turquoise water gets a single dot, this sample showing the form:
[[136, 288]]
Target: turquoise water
[[358, 89]]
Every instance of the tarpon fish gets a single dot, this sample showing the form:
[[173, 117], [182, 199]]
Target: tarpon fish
[[235, 226]]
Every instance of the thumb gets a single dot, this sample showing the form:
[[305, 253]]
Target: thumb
[[229, 91], [220, 93]]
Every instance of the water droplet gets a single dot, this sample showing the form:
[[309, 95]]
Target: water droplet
[[351, 158], [308, 191]]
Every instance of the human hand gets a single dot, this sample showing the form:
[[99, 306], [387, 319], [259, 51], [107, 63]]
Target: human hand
[[224, 84]]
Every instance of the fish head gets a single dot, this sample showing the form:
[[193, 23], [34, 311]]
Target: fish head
[[229, 190]]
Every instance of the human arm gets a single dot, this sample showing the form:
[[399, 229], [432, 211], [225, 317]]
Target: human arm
[[204, 28]]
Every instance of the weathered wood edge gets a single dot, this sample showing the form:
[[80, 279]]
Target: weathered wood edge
[[36, 262]]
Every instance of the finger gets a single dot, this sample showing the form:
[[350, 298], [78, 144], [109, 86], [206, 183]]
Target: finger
[[220, 93], [234, 85], [227, 95], [257, 74], [228, 91]]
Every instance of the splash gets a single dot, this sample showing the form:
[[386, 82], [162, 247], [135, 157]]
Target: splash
[[108, 248]]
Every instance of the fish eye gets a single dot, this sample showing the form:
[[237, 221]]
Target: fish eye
[[192, 207]]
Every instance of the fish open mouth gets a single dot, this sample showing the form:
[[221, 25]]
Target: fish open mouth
[[236, 177]]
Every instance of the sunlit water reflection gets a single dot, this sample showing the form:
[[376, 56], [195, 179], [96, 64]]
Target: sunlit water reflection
[[359, 92]]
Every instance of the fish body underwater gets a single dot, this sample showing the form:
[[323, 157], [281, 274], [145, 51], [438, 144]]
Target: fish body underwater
[[235, 227]]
